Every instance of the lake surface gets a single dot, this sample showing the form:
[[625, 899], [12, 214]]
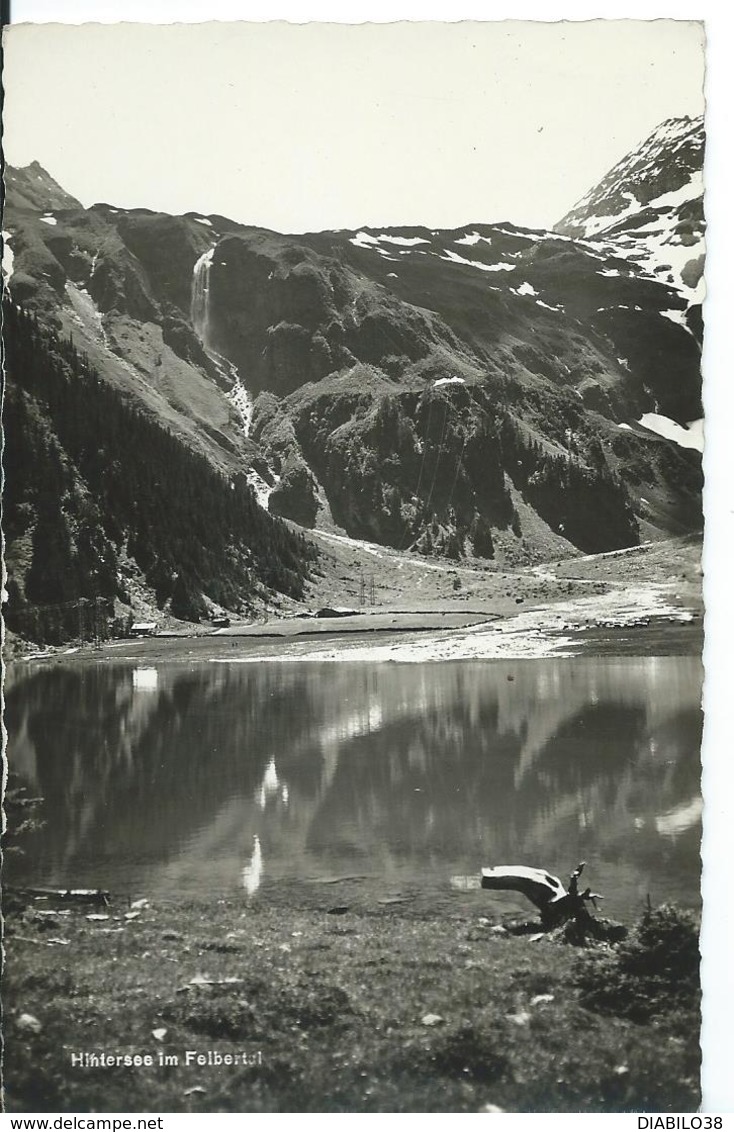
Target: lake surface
[[383, 781]]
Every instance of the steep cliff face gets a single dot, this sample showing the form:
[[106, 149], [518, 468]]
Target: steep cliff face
[[288, 315], [489, 390]]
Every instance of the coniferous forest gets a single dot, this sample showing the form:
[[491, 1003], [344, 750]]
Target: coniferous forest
[[96, 493]]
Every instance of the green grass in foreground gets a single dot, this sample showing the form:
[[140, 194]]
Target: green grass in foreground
[[338, 1007]]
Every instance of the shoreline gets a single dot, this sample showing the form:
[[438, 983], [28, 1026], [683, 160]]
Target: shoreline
[[641, 621], [645, 599]]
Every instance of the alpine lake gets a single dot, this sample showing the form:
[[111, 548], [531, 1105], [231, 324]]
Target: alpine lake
[[360, 784]]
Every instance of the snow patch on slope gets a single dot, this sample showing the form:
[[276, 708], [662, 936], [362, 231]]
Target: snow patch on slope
[[365, 240], [690, 437], [598, 223], [473, 238], [404, 241], [692, 189], [8, 257], [453, 257], [524, 289], [678, 317], [657, 252]]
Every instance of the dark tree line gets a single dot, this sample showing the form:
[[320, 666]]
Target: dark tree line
[[92, 482]]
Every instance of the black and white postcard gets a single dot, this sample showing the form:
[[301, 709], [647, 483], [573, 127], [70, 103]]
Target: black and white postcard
[[352, 517]]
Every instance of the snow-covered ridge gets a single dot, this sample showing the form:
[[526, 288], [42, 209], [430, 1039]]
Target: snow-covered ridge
[[667, 202], [646, 162], [635, 214]]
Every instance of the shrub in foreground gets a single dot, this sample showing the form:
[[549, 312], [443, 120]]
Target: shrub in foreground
[[654, 972]]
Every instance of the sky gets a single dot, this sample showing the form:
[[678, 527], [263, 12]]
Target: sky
[[302, 128]]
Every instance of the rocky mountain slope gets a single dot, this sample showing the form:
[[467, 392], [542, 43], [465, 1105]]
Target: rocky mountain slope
[[489, 391], [33, 188], [101, 504]]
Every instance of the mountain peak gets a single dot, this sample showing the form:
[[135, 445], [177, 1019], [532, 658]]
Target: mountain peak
[[673, 133], [31, 187], [662, 163], [649, 207]]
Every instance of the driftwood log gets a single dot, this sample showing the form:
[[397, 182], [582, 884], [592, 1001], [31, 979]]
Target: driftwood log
[[97, 896], [555, 903]]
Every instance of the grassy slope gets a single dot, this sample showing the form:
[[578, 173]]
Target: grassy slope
[[336, 1004], [410, 582]]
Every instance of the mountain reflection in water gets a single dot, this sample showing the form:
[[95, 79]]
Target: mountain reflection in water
[[213, 779]]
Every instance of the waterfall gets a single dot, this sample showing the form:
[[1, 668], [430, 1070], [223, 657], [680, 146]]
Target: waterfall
[[237, 395], [200, 297]]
